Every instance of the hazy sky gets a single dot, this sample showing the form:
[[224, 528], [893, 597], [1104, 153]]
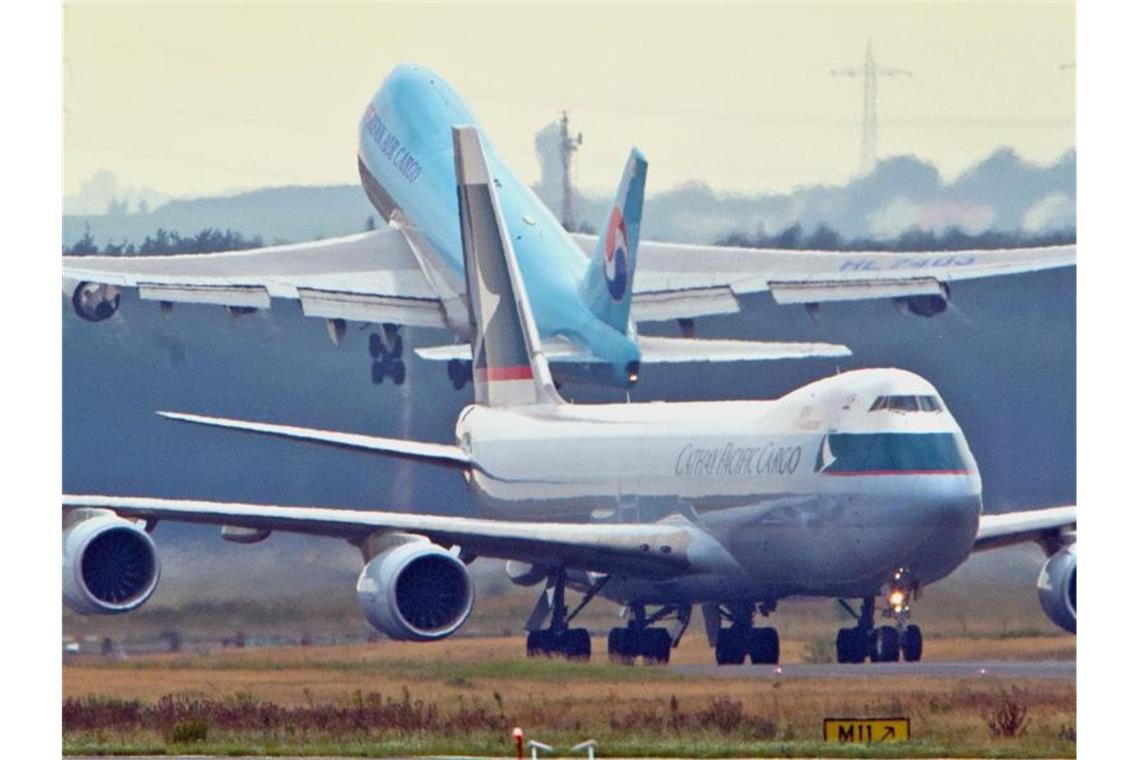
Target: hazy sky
[[194, 99]]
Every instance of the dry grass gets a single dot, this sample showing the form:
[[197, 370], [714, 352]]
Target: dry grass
[[555, 698]]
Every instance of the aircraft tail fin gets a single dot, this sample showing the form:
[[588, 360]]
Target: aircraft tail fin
[[608, 286], [508, 364]]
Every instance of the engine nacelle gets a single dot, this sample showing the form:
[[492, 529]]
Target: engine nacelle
[[1057, 588], [927, 305], [416, 591], [95, 302], [109, 564]]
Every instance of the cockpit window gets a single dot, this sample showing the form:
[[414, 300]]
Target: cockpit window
[[907, 404]]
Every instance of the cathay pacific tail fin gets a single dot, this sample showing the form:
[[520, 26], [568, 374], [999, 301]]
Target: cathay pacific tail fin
[[608, 286], [508, 364]]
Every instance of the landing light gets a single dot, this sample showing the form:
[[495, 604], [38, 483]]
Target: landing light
[[896, 599]]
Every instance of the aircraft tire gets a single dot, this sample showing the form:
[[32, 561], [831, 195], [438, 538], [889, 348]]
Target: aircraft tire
[[655, 646], [884, 644], [732, 646], [458, 374], [850, 646], [538, 644], [911, 643], [377, 372], [618, 646], [764, 646], [576, 644], [375, 345], [399, 372]]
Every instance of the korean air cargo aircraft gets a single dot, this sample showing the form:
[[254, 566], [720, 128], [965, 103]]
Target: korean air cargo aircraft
[[857, 486], [589, 294]]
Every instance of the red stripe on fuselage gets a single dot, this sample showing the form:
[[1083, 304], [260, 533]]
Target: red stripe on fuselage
[[522, 372]]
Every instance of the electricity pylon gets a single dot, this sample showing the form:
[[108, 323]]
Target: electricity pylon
[[870, 72]]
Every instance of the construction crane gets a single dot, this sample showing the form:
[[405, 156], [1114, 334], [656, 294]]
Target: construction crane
[[567, 147], [870, 73]]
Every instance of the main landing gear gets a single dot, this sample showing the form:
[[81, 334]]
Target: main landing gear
[[740, 640], [387, 351], [640, 638], [459, 373], [559, 639], [886, 643]]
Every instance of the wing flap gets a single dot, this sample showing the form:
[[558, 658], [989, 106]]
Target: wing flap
[[241, 296], [639, 549], [364, 307], [820, 291], [666, 305], [997, 530]]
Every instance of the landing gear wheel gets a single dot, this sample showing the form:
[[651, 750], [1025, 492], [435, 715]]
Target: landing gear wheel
[[850, 645], [732, 645], [378, 372], [575, 644], [375, 345], [394, 340], [538, 644], [884, 644], [458, 373], [399, 372], [764, 646], [655, 646], [911, 643], [618, 646]]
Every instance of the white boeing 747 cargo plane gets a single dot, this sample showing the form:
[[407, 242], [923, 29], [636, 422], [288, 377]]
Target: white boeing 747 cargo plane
[[857, 486]]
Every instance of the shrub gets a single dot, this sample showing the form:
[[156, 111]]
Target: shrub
[[1010, 717]]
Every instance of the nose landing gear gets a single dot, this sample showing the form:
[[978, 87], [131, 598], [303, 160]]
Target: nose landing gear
[[885, 643]]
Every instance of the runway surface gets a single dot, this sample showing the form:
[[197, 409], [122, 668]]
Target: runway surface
[[995, 669]]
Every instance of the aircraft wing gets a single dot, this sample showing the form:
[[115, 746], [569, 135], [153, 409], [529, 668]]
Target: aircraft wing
[[676, 280], [641, 549], [664, 350], [370, 277], [1042, 525]]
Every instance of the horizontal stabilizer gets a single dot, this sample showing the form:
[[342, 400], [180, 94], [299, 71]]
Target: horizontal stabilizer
[[662, 350], [433, 453]]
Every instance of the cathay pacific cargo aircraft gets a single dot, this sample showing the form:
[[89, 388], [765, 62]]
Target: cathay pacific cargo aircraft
[[857, 486], [589, 294]]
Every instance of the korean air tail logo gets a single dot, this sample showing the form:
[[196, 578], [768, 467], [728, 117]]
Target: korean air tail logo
[[616, 264]]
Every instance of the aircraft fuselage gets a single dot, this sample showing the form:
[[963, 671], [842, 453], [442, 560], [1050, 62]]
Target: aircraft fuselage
[[407, 168], [815, 493]]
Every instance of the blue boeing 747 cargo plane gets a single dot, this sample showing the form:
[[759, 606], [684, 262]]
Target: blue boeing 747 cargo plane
[[589, 293]]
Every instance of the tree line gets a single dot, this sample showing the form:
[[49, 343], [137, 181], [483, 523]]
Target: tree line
[[824, 238], [208, 240]]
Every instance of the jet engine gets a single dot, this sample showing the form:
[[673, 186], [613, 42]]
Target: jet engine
[[95, 302], [1057, 588], [109, 565], [926, 305], [416, 591]]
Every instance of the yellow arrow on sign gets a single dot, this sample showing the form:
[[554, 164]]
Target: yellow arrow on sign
[[866, 730]]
